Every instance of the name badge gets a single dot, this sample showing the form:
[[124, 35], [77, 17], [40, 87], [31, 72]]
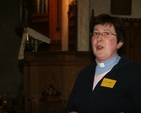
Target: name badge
[[108, 83]]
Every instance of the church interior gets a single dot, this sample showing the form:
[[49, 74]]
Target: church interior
[[41, 80]]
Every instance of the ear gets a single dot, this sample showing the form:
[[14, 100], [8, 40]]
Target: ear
[[120, 44]]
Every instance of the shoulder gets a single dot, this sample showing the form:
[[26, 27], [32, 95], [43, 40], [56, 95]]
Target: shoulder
[[85, 77], [125, 61], [130, 66], [87, 72], [88, 69]]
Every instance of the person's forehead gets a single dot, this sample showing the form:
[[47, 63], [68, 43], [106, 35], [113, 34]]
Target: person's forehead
[[105, 26]]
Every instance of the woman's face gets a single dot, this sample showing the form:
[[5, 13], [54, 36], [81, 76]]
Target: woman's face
[[104, 42]]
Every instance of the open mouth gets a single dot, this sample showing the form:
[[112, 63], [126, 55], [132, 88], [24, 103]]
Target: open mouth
[[99, 47]]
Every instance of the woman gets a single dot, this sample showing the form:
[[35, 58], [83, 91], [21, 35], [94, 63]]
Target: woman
[[112, 83]]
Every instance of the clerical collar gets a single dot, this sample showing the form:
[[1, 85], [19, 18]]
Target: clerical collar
[[101, 64], [108, 65]]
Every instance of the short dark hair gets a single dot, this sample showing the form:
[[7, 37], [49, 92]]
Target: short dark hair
[[115, 21]]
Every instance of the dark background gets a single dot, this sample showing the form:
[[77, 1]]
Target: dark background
[[10, 75]]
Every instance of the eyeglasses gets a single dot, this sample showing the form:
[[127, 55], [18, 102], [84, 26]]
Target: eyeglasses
[[103, 34]]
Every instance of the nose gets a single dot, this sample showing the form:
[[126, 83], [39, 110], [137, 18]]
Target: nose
[[99, 38]]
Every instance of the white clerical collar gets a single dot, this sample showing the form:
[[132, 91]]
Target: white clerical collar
[[101, 64]]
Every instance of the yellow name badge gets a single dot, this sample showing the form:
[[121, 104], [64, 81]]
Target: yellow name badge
[[108, 83]]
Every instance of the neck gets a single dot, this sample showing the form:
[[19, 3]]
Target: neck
[[102, 61]]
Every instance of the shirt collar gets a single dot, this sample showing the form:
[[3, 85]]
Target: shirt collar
[[107, 65]]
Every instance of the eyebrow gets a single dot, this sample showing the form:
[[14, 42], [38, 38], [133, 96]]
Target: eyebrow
[[106, 30], [103, 30]]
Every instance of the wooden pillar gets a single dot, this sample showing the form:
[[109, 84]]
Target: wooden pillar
[[83, 25], [55, 21], [64, 19], [34, 93]]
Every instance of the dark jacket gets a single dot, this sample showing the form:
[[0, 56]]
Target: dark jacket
[[125, 96]]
